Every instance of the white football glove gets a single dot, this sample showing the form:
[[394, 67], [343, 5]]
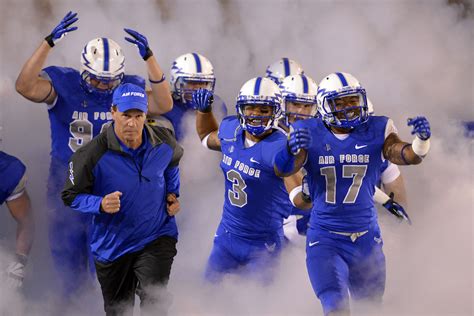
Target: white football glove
[[16, 272]]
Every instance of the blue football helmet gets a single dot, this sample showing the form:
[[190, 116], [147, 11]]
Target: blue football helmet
[[258, 91], [336, 87], [283, 68], [191, 69], [299, 89], [102, 66]]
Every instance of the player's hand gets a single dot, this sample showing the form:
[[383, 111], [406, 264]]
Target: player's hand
[[421, 127], [172, 204], [396, 209], [140, 41], [111, 202], [62, 29], [16, 272], [202, 100], [298, 139]]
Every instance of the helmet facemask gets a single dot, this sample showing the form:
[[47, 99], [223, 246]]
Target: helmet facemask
[[100, 85], [257, 93], [297, 108], [190, 72], [299, 98], [257, 124], [185, 86], [346, 109]]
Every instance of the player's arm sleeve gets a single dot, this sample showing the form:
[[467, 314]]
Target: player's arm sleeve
[[391, 173], [389, 129], [17, 177], [45, 74], [77, 192]]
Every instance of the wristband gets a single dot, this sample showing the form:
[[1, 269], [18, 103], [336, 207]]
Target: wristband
[[148, 54], [204, 140], [294, 193], [163, 78], [49, 39]]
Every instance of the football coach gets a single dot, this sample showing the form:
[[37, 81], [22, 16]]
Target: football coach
[[128, 178]]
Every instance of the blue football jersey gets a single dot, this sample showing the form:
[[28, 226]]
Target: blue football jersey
[[77, 116], [175, 116], [255, 199], [11, 172], [342, 174]]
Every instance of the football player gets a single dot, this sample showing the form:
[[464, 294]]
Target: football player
[[13, 193], [249, 236], [299, 102], [283, 68], [189, 72], [78, 103], [344, 243]]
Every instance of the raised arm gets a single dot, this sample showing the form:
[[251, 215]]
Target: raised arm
[[206, 124], [159, 95], [402, 153], [29, 83]]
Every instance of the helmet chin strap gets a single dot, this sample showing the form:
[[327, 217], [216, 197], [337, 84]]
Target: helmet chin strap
[[257, 130]]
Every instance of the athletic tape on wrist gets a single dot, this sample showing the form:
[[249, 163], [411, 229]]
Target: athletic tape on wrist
[[294, 193], [204, 140], [420, 147]]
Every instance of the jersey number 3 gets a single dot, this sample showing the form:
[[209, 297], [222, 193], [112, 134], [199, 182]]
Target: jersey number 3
[[237, 196], [356, 172]]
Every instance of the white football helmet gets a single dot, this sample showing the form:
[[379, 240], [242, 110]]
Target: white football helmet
[[102, 59], [339, 85], [299, 89], [258, 91], [283, 68], [190, 68]]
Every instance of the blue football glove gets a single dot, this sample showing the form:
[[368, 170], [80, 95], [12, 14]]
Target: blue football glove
[[396, 209], [141, 42], [62, 29], [298, 139], [202, 100], [421, 127]]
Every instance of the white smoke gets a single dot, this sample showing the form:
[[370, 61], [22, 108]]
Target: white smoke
[[413, 57]]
